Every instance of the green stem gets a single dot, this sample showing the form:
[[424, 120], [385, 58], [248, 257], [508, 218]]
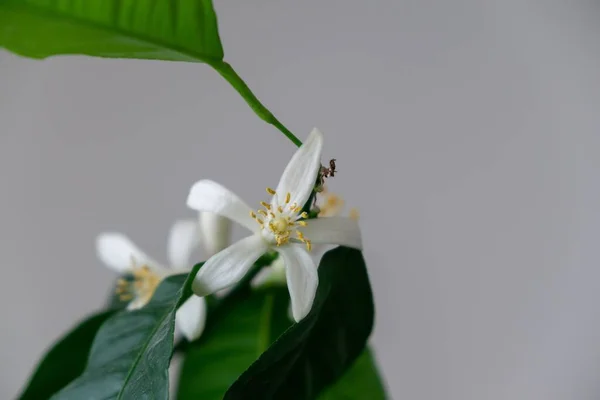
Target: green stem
[[227, 72]]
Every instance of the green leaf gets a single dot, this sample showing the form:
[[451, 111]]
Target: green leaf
[[233, 340], [317, 351], [177, 30], [65, 361], [131, 353], [361, 381]]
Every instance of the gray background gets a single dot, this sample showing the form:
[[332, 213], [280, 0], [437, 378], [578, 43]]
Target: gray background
[[466, 132]]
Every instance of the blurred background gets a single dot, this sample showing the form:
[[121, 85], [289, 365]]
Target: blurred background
[[465, 132]]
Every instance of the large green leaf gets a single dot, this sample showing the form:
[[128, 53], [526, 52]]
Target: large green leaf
[[65, 361], [316, 352], [361, 381], [179, 30], [131, 353], [232, 341]]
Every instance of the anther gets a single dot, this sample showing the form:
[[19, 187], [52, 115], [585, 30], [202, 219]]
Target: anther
[[280, 209], [301, 223], [271, 191], [262, 212], [308, 245], [288, 197], [252, 215], [265, 205], [304, 215]]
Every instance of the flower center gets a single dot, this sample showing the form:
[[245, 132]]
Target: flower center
[[280, 225], [140, 286], [278, 221]]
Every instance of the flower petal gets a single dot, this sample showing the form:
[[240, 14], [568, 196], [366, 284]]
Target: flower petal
[[207, 195], [300, 175], [334, 230], [229, 265], [137, 303], [215, 232], [119, 253], [302, 278], [191, 317], [183, 239]]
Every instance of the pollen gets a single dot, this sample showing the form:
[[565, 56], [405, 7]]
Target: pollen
[[304, 240], [278, 220], [140, 286], [332, 205]]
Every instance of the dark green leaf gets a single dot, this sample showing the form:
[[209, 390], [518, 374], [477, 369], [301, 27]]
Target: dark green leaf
[[179, 30], [65, 361], [361, 381], [317, 351], [130, 355], [232, 341]]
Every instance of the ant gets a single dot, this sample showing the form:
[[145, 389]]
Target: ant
[[327, 172]]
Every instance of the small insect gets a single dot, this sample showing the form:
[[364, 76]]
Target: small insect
[[327, 172], [332, 170]]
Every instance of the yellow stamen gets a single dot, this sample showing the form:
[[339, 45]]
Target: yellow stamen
[[293, 206], [288, 197], [252, 215], [280, 209], [304, 215], [308, 245], [271, 191], [140, 287], [263, 213], [302, 223], [265, 205]]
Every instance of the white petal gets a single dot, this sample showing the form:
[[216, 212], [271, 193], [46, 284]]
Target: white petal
[[228, 266], [119, 253], [334, 230], [215, 232], [183, 239], [302, 278], [209, 196], [137, 303], [300, 175], [191, 317]]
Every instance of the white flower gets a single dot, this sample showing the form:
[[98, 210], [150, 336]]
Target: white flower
[[328, 204], [120, 254], [274, 228]]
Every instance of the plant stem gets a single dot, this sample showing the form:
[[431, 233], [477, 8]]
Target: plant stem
[[227, 72]]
